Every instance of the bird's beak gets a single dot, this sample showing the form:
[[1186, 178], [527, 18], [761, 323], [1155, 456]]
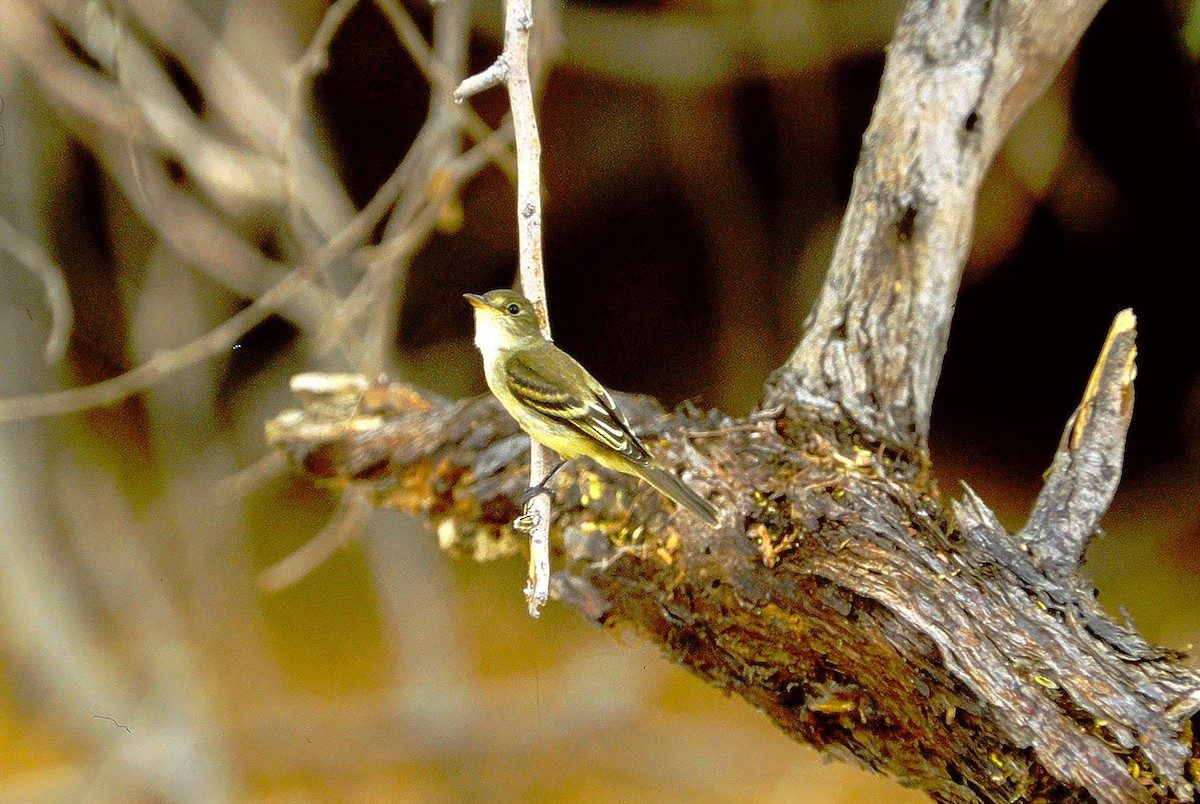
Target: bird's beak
[[477, 301]]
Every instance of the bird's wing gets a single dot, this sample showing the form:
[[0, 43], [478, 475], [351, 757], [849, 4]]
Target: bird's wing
[[529, 376]]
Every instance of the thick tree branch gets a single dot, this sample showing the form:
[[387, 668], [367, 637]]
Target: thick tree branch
[[958, 76], [847, 604]]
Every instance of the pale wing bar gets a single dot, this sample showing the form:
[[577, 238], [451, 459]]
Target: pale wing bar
[[597, 417]]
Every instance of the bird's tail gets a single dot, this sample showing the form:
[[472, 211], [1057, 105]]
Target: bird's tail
[[674, 488]]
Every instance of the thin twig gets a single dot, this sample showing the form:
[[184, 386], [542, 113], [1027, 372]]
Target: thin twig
[[157, 368], [234, 178], [417, 228], [344, 526], [493, 76], [192, 229], [237, 486], [140, 109], [62, 316], [114, 722], [512, 67]]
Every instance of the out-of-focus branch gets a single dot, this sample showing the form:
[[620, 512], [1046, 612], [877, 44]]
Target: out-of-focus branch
[[439, 77], [47, 632], [210, 243], [957, 77], [102, 115], [112, 545], [344, 526], [35, 260], [395, 730], [237, 179], [222, 337], [162, 365], [300, 76], [438, 141], [234, 96], [385, 261]]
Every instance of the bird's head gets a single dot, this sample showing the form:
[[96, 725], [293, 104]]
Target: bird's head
[[504, 319]]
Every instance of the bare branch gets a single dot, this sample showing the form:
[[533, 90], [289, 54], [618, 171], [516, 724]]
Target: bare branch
[[957, 77], [209, 242], [162, 365], [495, 75], [311, 63], [512, 67], [27, 252], [344, 526], [236, 179], [423, 171], [233, 95], [241, 483], [846, 603], [436, 74], [224, 336], [413, 220]]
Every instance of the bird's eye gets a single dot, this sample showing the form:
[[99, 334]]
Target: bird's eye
[[513, 309]]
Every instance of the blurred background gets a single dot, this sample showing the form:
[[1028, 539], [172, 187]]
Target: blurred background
[[165, 164]]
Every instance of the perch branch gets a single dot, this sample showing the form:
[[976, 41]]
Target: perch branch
[[958, 76], [512, 69], [847, 604]]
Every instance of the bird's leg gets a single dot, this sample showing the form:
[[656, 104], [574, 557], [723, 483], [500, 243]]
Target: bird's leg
[[540, 488]]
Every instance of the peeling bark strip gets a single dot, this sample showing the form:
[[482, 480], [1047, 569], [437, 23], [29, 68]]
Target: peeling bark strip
[[847, 604], [958, 76], [1087, 467]]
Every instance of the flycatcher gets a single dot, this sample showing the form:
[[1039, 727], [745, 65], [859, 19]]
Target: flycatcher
[[558, 403]]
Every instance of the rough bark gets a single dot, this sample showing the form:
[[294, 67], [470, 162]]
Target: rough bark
[[865, 613], [958, 76], [847, 603]]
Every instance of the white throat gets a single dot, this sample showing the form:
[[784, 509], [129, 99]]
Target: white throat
[[488, 335]]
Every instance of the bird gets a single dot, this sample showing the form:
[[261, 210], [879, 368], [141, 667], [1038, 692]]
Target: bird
[[559, 404]]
